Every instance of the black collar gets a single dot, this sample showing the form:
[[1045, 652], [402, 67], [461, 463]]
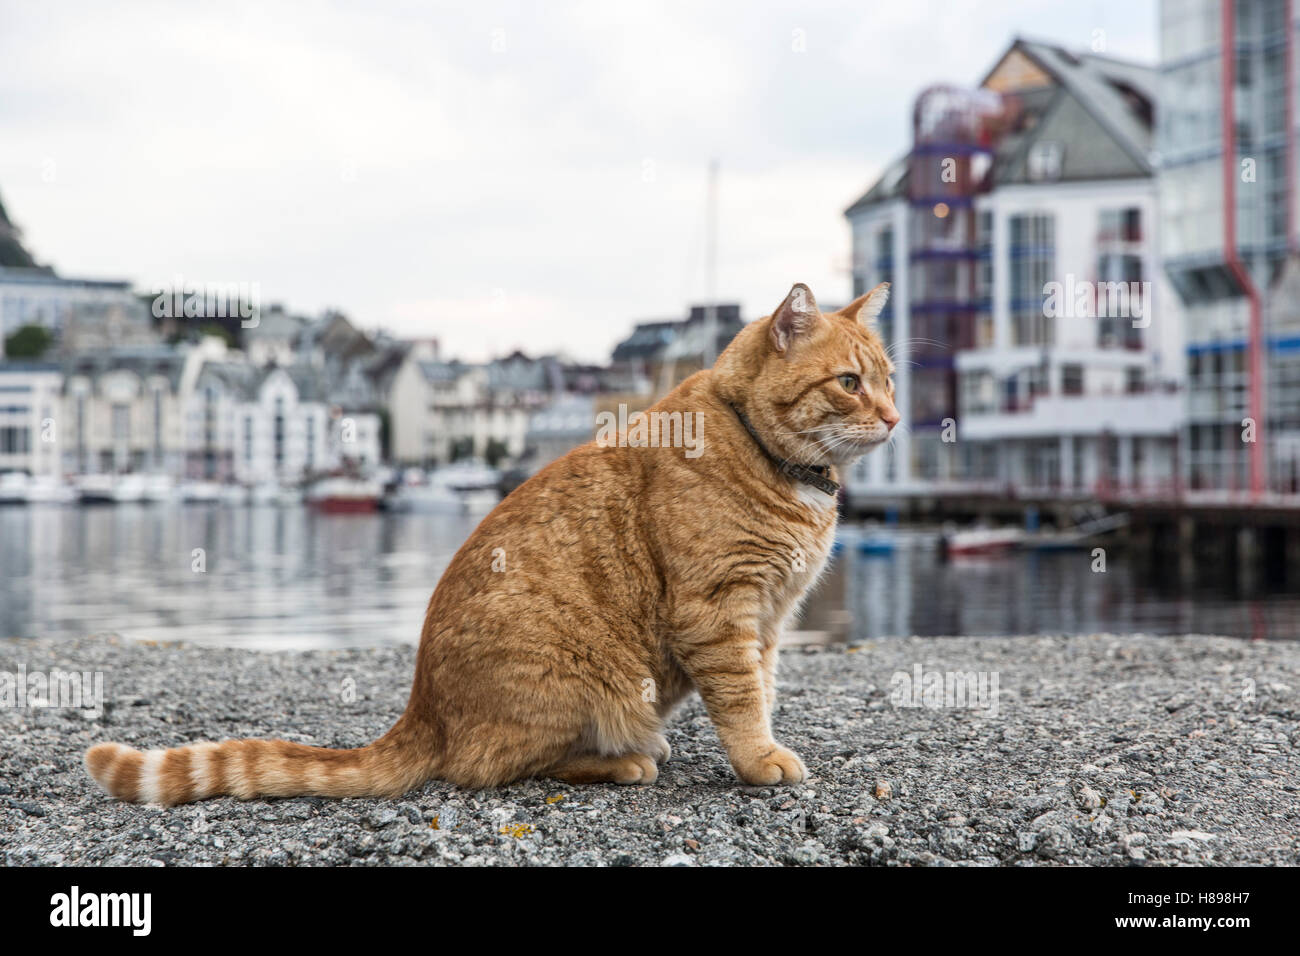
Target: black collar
[[819, 476]]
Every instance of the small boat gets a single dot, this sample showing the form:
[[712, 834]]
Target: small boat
[[1079, 538], [344, 495], [110, 489], [263, 494], [200, 492], [159, 488], [50, 489], [13, 488], [877, 544], [981, 541], [425, 499]]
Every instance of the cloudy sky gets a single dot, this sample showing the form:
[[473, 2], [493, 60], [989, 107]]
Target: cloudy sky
[[497, 175]]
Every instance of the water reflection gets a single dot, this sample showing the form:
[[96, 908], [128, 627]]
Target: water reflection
[[288, 577]]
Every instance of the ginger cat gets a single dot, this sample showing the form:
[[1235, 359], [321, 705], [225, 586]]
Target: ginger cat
[[606, 588]]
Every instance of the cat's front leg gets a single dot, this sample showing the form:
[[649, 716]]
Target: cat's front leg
[[728, 670]]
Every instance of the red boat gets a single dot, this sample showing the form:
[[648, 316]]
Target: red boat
[[345, 495]]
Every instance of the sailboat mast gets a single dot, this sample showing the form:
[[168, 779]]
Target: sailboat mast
[[711, 269]]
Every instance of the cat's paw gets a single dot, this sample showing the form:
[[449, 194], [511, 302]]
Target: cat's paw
[[660, 749], [773, 765]]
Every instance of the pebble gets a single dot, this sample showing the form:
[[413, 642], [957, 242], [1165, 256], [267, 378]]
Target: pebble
[[1084, 765]]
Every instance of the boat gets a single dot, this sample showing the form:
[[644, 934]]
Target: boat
[[264, 493], [981, 541], [50, 489], [110, 489], [1079, 538], [341, 495], [877, 544], [424, 498], [13, 488], [159, 488], [200, 492], [477, 485], [460, 489]]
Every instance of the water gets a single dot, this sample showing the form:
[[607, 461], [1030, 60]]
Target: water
[[289, 577]]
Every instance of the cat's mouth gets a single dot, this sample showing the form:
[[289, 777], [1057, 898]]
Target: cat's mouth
[[849, 446]]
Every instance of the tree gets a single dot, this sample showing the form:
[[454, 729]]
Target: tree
[[28, 342]]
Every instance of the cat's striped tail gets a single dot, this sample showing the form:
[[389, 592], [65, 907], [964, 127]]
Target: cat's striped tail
[[258, 768]]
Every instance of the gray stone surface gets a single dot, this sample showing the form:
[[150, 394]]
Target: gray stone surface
[[1106, 750]]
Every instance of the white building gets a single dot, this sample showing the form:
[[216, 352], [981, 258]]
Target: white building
[[122, 409], [444, 411], [30, 400], [81, 313], [1013, 234], [273, 424]]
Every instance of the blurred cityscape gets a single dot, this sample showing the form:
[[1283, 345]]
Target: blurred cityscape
[[1094, 302]]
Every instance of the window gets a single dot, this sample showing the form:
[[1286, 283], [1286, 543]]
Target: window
[[1071, 379], [1045, 161], [1033, 259], [279, 433], [157, 423], [121, 423]]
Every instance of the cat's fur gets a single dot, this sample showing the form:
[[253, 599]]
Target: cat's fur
[[603, 590]]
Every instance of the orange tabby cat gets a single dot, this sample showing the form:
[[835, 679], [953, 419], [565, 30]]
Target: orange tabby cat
[[604, 589]]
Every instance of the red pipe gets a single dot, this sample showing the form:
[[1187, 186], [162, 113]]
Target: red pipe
[[1234, 263]]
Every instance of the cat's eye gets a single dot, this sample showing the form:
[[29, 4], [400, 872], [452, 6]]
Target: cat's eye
[[850, 382]]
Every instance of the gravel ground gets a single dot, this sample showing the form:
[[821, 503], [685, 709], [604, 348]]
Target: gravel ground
[[1104, 750]]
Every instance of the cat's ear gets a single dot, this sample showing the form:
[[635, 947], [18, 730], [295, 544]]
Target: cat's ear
[[867, 308], [795, 317]]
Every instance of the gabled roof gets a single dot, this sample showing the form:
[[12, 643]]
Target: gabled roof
[[1117, 95], [437, 372], [146, 361], [1098, 109]]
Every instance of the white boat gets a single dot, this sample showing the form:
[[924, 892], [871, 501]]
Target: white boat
[[264, 493], [200, 492], [13, 488], [110, 489], [159, 488], [982, 541], [425, 498], [50, 489]]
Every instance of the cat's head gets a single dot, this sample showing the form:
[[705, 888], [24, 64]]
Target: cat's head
[[817, 386]]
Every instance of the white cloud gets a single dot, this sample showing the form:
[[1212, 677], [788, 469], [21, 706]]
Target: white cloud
[[403, 162]]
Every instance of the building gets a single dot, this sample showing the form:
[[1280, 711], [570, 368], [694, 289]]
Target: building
[[30, 400], [122, 410], [445, 411], [80, 313], [664, 353], [272, 424], [1226, 140], [1037, 343]]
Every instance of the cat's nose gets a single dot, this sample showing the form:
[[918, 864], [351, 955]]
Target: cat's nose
[[890, 417]]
